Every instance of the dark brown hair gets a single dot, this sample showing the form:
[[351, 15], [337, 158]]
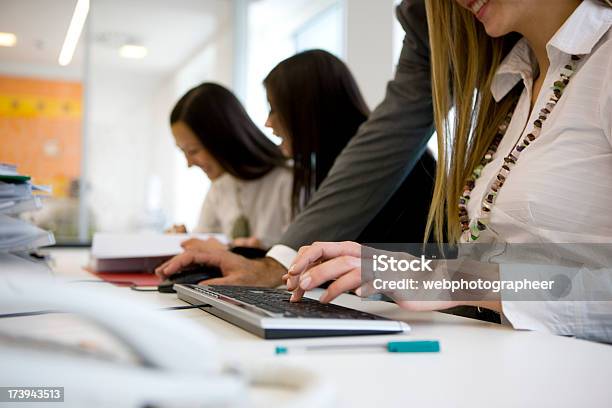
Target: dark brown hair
[[224, 128], [319, 104]]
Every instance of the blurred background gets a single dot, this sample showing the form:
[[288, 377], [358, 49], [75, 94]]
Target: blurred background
[[94, 123]]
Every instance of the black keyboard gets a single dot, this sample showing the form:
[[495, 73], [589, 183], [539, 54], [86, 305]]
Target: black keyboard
[[268, 313], [276, 301]]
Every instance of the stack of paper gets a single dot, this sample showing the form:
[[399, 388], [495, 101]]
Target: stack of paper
[[111, 252], [16, 197]]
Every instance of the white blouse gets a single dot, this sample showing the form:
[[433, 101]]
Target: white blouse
[[560, 190], [266, 203]]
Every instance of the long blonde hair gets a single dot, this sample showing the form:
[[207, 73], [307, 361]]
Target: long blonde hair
[[464, 60]]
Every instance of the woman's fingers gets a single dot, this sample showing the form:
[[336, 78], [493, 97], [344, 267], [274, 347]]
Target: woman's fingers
[[348, 281], [297, 295], [292, 280], [315, 254], [321, 251], [326, 271]]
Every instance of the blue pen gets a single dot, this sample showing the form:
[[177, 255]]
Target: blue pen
[[411, 346]]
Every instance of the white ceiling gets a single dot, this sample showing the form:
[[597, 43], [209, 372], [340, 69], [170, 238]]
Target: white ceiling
[[172, 30], [40, 26]]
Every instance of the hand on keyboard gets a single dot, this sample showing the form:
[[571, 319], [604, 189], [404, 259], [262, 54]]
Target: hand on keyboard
[[324, 261], [236, 269]]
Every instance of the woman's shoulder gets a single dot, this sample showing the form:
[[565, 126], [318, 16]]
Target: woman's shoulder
[[281, 172], [278, 172], [221, 185], [278, 176]]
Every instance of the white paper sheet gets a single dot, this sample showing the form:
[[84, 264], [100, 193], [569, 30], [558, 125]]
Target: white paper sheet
[[118, 245], [20, 235]]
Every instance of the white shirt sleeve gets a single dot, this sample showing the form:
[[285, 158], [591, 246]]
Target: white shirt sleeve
[[282, 254], [208, 221], [605, 105], [577, 316]]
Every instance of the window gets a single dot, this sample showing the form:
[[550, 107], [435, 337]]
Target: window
[[277, 30], [98, 127], [323, 31]]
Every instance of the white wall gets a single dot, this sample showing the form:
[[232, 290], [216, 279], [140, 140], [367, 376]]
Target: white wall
[[369, 45], [119, 145], [139, 179]]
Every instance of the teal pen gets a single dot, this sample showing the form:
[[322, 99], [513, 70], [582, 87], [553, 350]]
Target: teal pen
[[412, 346]]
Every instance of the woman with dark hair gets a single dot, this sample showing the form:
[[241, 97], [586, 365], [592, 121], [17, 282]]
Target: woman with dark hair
[[315, 108], [215, 133]]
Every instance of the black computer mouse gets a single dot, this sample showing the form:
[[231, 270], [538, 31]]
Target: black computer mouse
[[191, 275]]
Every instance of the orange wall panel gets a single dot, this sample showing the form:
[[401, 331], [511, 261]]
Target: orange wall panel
[[40, 129]]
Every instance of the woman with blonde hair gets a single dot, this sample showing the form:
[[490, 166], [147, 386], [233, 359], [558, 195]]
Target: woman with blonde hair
[[523, 101]]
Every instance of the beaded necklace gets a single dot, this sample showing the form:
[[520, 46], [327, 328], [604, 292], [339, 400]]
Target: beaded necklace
[[471, 230]]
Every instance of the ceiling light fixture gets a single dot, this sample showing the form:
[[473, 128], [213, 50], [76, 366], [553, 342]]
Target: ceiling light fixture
[[8, 40], [74, 32], [133, 51]]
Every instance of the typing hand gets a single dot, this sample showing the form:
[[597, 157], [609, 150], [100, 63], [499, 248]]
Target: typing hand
[[194, 244], [322, 262], [325, 261], [236, 269]]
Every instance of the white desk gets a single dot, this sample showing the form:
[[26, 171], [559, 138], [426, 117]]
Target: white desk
[[480, 364]]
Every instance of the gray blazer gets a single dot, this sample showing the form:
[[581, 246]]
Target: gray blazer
[[386, 148]]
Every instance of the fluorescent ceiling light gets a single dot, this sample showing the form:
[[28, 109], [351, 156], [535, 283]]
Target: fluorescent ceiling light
[[74, 32], [133, 51], [8, 40]]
